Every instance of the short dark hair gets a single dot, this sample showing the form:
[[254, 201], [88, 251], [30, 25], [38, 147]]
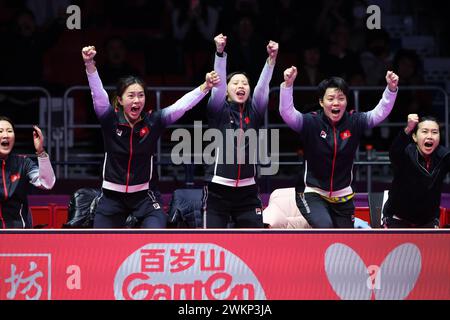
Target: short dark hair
[[4, 118], [426, 118], [333, 82]]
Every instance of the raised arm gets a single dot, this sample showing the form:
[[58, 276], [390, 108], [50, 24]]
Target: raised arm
[[261, 94], [401, 141], [384, 107], [292, 117], [42, 177], [189, 100], [99, 95], [219, 92]]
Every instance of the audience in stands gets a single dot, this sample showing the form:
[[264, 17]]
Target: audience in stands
[[408, 65], [340, 60], [116, 65], [243, 49], [377, 58], [194, 24]]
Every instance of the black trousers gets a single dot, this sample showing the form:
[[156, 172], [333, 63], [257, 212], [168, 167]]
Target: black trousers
[[323, 214], [390, 222], [113, 209], [239, 205]]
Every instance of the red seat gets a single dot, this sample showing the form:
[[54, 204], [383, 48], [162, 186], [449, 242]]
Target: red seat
[[42, 216], [49, 217], [363, 213], [59, 216], [444, 217]]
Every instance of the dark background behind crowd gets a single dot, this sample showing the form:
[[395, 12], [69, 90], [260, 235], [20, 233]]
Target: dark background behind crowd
[[170, 43]]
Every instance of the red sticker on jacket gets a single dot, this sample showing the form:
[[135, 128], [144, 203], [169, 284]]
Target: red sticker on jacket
[[345, 134], [14, 177], [143, 131]]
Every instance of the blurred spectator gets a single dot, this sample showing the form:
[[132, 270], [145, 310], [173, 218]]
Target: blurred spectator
[[247, 7], [47, 11], [408, 65], [333, 12], [116, 65], [194, 24], [310, 67], [438, 25], [377, 59], [160, 18], [23, 64], [8, 9], [135, 14], [26, 47], [244, 52], [357, 25], [234, 10], [311, 74], [25, 51], [340, 60], [281, 20]]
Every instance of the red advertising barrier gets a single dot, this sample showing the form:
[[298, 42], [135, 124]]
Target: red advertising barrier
[[219, 264]]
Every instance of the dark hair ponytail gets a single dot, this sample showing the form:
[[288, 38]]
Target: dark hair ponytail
[[123, 84]]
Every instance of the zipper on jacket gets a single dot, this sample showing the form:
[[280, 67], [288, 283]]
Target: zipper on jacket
[[334, 160], [129, 159], [428, 164], [4, 179], [6, 194], [241, 108]]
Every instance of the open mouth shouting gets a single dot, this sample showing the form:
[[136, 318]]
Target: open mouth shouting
[[238, 88], [5, 147], [334, 103], [427, 136], [428, 146], [335, 111], [135, 111], [335, 114], [241, 95], [133, 101]]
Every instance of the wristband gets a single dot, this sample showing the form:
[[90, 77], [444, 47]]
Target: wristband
[[42, 154]]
